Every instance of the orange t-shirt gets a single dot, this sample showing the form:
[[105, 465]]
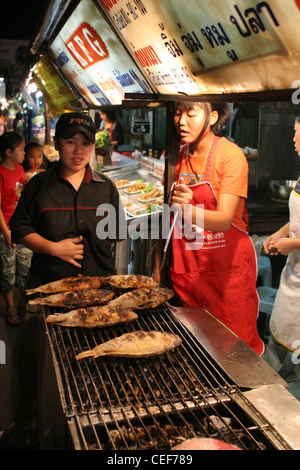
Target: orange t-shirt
[[229, 174]]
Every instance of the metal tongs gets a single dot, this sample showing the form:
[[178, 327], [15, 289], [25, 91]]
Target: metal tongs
[[168, 241], [169, 233]]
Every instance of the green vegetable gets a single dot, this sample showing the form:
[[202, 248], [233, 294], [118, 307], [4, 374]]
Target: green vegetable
[[146, 190], [103, 140], [98, 167], [153, 208]]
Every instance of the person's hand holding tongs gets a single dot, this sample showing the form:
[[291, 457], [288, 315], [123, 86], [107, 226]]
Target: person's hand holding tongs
[[180, 194]]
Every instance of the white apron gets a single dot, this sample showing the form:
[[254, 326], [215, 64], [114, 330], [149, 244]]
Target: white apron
[[285, 318]]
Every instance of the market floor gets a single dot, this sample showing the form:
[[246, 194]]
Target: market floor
[[8, 382]]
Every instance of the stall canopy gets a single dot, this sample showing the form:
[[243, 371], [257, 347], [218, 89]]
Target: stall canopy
[[110, 50]]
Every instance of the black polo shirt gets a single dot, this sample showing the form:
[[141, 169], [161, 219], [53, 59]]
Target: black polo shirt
[[51, 207]]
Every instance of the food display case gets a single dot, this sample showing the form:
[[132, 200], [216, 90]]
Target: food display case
[[142, 195]]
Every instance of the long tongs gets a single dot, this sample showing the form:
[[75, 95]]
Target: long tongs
[[168, 241], [164, 253]]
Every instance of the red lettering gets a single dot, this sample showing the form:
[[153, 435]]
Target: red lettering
[[86, 46], [108, 4], [147, 56]]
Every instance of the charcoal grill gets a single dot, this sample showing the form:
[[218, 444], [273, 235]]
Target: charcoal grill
[[151, 403]]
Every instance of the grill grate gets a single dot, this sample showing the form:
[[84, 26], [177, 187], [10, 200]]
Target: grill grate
[[156, 402]]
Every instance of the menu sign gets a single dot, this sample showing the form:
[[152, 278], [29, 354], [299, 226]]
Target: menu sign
[[56, 93], [93, 59], [199, 46]]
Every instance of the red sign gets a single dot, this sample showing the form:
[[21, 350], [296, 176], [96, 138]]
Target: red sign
[[86, 46], [108, 4]]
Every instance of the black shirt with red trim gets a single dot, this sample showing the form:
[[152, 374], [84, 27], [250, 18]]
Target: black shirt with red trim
[[51, 207]]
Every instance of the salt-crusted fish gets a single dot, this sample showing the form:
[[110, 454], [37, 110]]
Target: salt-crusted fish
[[75, 299], [205, 443], [69, 284], [131, 281], [135, 344], [139, 299], [92, 317]]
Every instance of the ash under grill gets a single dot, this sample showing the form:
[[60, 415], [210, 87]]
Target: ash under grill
[[151, 403]]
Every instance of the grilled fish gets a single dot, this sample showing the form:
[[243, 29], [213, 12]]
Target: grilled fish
[[75, 299], [142, 298], [131, 281], [204, 443], [135, 344], [92, 317], [69, 284]]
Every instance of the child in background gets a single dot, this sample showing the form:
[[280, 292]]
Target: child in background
[[33, 159], [14, 259]]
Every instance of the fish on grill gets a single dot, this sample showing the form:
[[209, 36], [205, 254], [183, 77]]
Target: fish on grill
[[131, 281], [135, 344], [142, 298], [69, 284], [133, 300], [75, 299], [204, 443], [92, 317]]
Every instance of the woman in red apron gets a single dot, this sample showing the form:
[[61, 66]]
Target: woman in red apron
[[211, 185], [113, 127]]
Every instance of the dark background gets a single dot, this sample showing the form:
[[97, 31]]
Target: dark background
[[20, 18]]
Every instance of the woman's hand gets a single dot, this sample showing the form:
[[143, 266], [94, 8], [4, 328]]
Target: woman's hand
[[282, 246], [282, 233], [269, 243], [181, 195], [70, 250]]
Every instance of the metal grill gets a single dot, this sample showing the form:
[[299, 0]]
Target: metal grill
[[151, 403]]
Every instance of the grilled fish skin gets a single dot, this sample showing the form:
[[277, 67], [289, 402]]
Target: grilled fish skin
[[142, 298], [75, 299], [135, 344], [92, 317], [69, 284], [128, 281], [204, 443]]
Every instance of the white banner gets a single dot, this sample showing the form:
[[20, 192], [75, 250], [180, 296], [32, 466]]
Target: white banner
[[93, 59], [208, 46]]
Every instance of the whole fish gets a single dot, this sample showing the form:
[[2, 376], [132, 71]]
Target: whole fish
[[92, 317], [204, 443], [69, 284], [142, 298], [131, 281], [135, 344], [75, 299]]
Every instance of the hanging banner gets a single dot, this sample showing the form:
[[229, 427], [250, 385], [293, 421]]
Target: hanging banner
[[92, 58], [56, 93], [216, 46]]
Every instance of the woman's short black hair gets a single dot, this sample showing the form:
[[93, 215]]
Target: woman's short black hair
[[10, 140], [32, 144]]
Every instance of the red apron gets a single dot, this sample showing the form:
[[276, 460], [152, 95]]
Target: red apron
[[221, 275], [109, 130]]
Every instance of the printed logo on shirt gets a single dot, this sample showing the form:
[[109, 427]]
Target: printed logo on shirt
[[190, 179], [19, 188]]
